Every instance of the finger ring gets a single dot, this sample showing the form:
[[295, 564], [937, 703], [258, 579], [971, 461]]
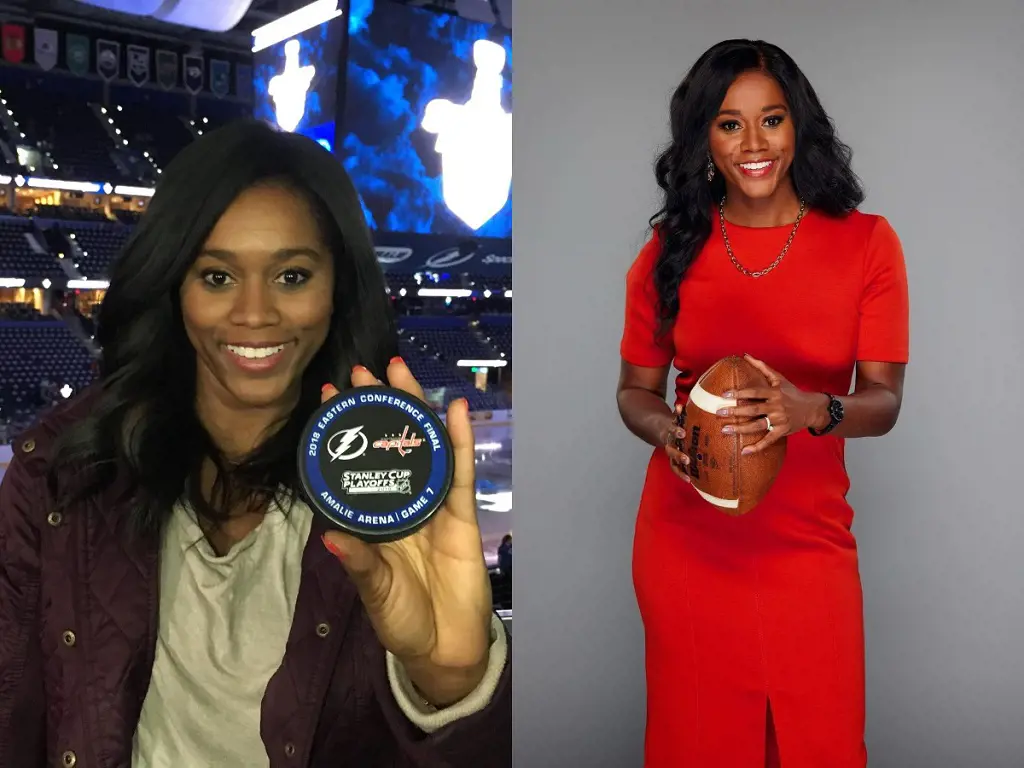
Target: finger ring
[[768, 424]]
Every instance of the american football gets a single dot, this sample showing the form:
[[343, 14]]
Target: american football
[[730, 481]]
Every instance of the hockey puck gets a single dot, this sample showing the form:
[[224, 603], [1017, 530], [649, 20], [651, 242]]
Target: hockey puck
[[376, 462]]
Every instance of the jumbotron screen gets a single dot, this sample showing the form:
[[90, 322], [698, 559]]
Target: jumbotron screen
[[426, 131], [295, 80]]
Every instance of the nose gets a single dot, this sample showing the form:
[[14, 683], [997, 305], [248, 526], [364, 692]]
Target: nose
[[754, 139], [255, 305]]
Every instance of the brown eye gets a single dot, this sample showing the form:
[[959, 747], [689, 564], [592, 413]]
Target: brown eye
[[216, 278], [294, 277]]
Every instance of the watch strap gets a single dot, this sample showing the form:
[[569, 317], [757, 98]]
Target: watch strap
[[833, 416]]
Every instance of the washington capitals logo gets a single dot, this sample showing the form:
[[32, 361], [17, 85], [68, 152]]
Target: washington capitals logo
[[347, 444], [403, 443]]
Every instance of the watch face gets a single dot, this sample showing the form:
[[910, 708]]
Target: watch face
[[837, 410]]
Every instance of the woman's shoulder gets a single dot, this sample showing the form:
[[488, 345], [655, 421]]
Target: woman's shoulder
[[34, 445], [858, 222], [858, 233], [645, 259]]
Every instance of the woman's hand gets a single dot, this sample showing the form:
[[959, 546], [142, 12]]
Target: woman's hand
[[428, 595], [678, 459], [787, 409]]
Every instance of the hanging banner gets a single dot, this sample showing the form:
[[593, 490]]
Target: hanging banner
[[192, 73], [138, 64], [220, 77], [167, 69], [76, 51], [108, 59], [46, 43], [243, 82], [14, 43]]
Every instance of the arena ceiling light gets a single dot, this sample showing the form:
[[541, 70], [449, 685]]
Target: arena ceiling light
[[482, 363], [66, 186], [129, 191], [296, 22], [452, 293], [88, 285]]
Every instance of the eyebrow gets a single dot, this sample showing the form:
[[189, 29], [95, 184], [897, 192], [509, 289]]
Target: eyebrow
[[282, 254], [769, 108]]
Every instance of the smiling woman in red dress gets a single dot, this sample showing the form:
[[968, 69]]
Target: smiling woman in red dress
[[754, 624]]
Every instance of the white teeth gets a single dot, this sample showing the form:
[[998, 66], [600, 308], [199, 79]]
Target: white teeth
[[756, 166], [255, 353]]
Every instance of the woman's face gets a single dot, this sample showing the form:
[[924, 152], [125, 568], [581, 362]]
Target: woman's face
[[752, 139], [257, 302]]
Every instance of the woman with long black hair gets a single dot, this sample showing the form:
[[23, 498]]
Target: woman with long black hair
[[167, 597], [754, 624]]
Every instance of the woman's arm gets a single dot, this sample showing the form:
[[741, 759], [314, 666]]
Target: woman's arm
[[22, 703], [641, 398], [474, 733], [870, 411], [874, 405]]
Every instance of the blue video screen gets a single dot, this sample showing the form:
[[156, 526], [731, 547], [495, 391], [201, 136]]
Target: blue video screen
[[426, 132], [295, 82]]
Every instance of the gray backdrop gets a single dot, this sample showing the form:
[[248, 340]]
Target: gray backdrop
[[931, 97]]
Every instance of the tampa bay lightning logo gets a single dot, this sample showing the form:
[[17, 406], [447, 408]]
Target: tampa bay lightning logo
[[474, 141], [347, 444], [289, 88]]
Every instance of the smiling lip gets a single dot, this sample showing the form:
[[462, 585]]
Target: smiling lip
[[256, 358], [760, 168]]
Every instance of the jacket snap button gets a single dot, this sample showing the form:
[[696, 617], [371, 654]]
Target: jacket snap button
[[323, 629], [289, 750], [54, 519], [28, 446], [68, 759], [69, 638]]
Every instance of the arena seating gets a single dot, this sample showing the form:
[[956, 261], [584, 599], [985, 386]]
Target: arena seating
[[448, 335], [23, 253], [151, 129], [99, 244], [497, 332], [68, 129], [34, 352], [19, 313]]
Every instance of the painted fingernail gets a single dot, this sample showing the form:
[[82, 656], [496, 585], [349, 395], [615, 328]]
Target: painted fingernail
[[325, 387], [728, 395], [397, 361], [331, 548], [747, 451], [723, 411], [360, 368], [728, 430]]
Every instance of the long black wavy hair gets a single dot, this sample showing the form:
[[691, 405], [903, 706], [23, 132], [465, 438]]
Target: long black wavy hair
[[143, 425], [821, 171]]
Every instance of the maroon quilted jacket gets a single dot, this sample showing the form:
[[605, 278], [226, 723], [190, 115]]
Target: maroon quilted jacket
[[78, 621]]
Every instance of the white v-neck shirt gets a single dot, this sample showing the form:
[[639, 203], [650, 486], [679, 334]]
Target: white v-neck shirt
[[223, 625]]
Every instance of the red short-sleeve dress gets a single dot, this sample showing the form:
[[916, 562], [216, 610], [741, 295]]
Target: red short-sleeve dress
[[743, 612]]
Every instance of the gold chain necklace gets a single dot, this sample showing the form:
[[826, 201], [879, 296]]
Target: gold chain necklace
[[774, 264]]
